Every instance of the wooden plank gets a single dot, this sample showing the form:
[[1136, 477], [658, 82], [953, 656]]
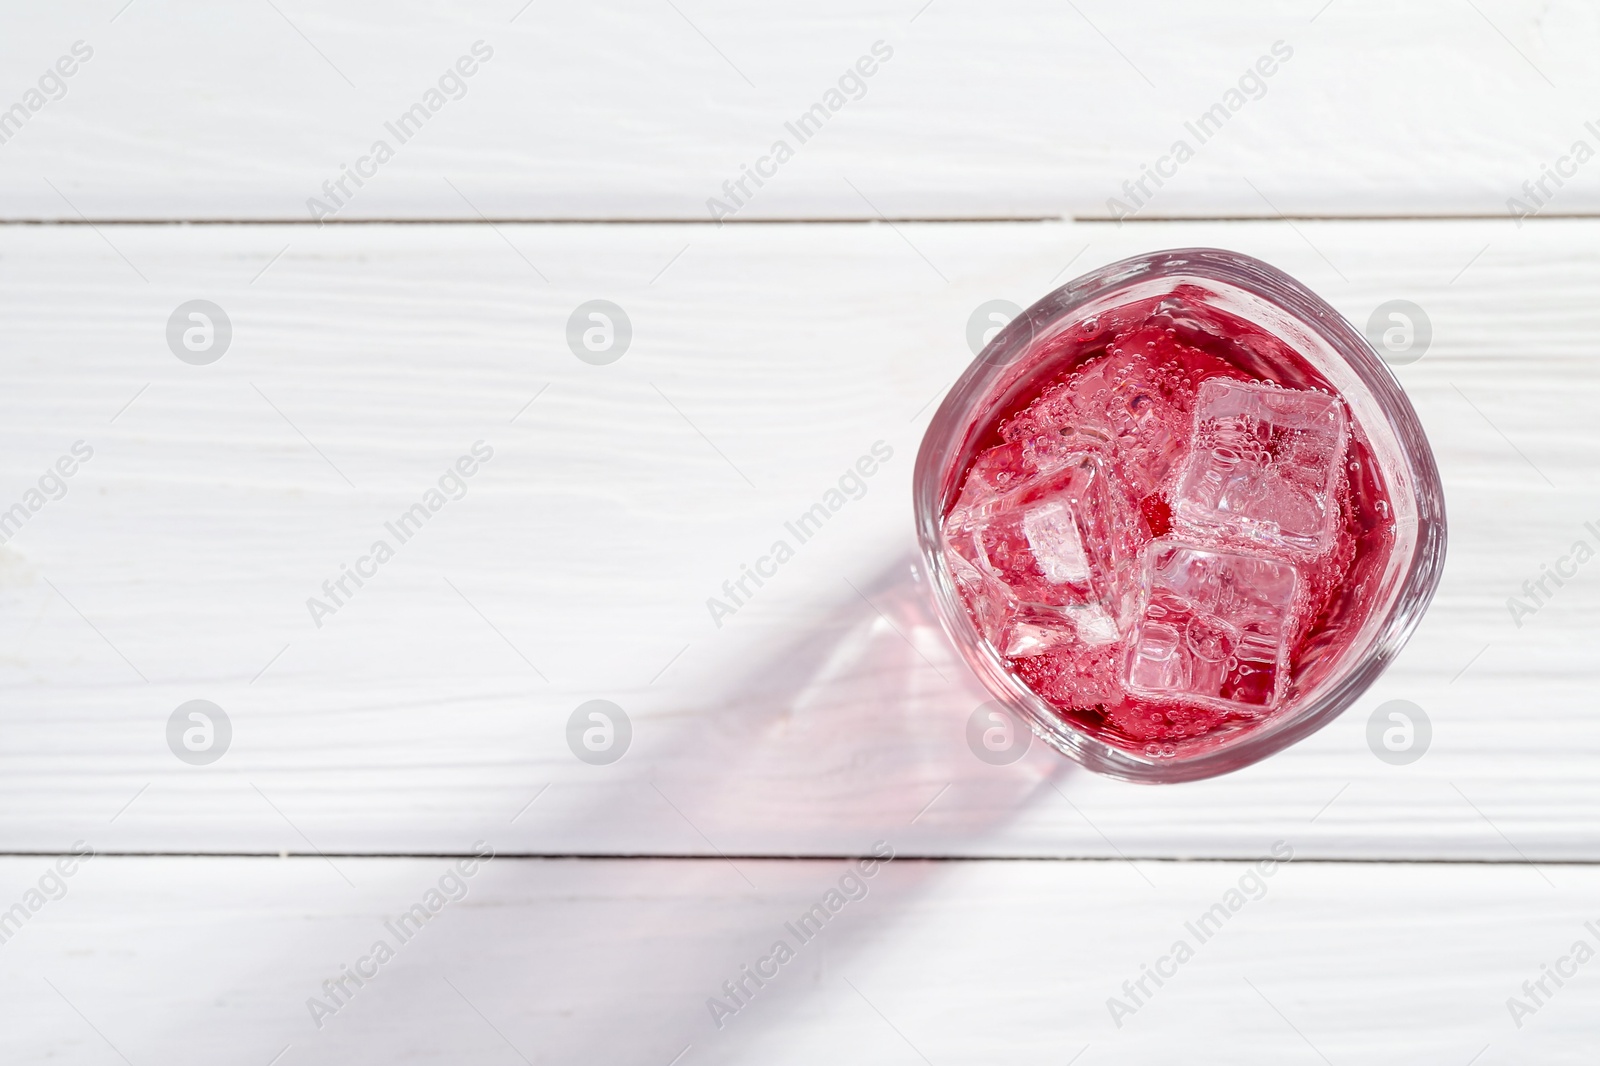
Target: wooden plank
[[199, 961], [186, 111], [764, 361]]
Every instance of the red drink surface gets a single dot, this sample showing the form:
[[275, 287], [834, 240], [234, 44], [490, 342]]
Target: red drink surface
[[1170, 526]]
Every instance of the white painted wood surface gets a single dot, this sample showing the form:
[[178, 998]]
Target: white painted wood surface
[[430, 711], [193, 110], [591, 541], [188, 961]]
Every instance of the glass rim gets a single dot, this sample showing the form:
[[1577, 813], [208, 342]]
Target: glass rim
[[950, 431]]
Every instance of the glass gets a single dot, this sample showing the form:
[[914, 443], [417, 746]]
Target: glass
[[1371, 629]]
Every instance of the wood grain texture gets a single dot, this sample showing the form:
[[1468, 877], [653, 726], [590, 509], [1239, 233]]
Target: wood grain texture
[[190, 111], [432, 708], [214, 960]]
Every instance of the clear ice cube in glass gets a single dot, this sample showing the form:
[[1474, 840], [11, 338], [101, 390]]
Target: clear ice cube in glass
[[1032, 549], [1264, 465], [1212, 627]]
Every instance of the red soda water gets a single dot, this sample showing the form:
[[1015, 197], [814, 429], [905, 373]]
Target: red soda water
[[1163, 532]]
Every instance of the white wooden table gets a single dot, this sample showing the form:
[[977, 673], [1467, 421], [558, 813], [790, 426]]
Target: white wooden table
[[423, 717]]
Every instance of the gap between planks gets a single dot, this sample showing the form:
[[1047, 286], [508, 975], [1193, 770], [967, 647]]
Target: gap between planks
[[843, 220], [541, 856]]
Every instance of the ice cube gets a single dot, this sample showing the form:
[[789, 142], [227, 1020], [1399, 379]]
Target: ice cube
[[1264, 465], [1126, 401], [1095, 625], [1032, 630], [1212, 627], [1015, 465], [992, 607], [1037, 563], [1033, 539], [1057, 547], [993, 473]]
